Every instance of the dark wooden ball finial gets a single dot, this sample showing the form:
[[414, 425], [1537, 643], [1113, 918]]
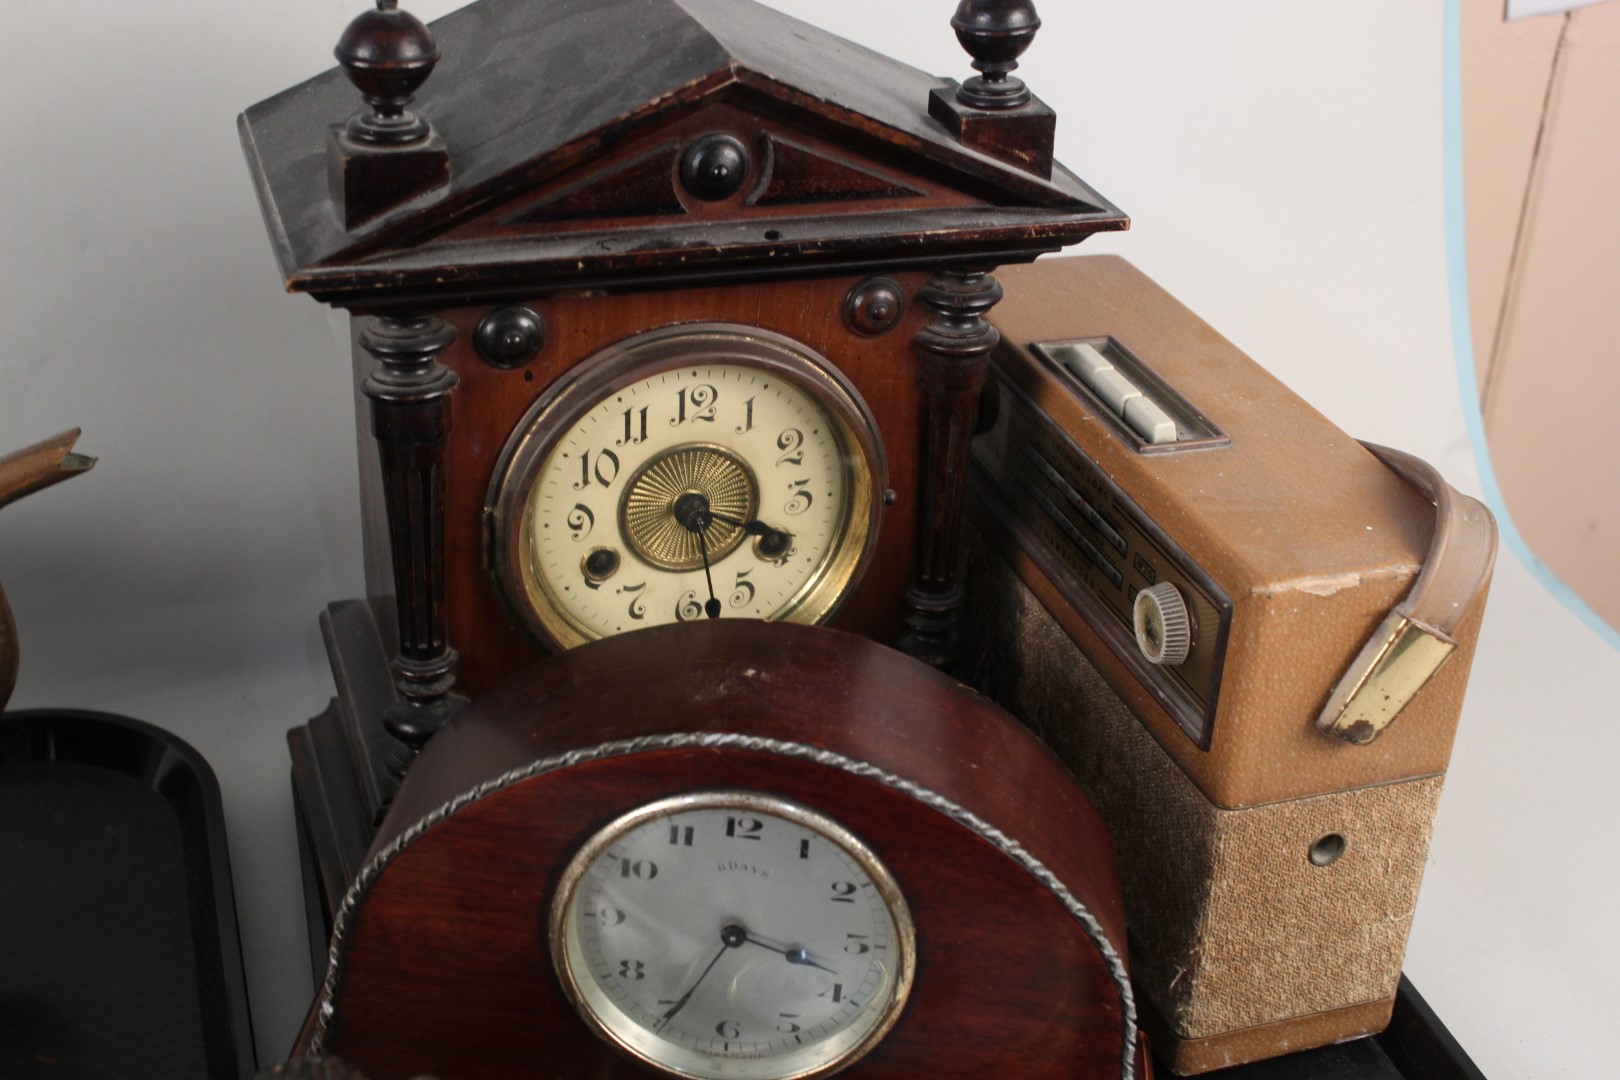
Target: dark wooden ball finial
[[995, 33], [387, 54]]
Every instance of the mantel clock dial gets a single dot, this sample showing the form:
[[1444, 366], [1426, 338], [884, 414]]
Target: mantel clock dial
[[704, 471], [733, 934]]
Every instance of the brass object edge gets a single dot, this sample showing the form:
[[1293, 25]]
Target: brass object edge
[[1394, 664]]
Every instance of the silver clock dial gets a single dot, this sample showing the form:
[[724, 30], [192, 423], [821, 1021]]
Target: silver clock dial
[[733, 935]]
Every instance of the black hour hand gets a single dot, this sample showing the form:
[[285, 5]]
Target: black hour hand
[[772, 541]]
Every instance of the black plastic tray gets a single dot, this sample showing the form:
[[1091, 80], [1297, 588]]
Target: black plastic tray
[[119, 955]]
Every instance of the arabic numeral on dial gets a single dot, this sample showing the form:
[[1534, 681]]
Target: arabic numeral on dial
[[748, 420], [638, 603], [857, 945], [634, 970], [688, 607], [581, 521], [843, 892], [635, 427], [744, 828], [835, 992], [604, 472], [640, 869], [791, 443], [727, 1029], [681, 835], [698, 403], [743, 594], [786, 1025], [610, 916], [801, 500]]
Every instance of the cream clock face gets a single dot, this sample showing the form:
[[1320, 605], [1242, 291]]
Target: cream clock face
[[692, 473], [733, 935]]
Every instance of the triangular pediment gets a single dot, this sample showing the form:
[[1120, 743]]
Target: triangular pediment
[[564, 137], [787, 171], [641, 187], [646, 184]]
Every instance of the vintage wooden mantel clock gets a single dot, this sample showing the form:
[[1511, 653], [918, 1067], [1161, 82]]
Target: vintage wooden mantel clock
[[671, 318], [664, 309]]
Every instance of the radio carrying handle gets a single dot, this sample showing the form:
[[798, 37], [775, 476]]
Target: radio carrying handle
[[1416, 638]]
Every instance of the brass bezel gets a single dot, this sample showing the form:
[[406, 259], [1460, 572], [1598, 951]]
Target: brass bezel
[[508, 506], [590, 1001]]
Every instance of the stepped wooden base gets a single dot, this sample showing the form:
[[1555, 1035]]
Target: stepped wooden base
[[341, 781]]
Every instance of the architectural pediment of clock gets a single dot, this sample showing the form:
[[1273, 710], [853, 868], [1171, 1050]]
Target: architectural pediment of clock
[[719, 135]]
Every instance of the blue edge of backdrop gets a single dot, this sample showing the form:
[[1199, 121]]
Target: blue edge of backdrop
[[1463, 343]]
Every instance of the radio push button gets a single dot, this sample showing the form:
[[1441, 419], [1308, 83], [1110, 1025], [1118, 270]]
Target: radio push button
[[1081, 359], [1163, 626], [1149, 421], [1128, 401]]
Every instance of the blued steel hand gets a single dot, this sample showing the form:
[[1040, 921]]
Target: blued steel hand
[[730, 938], [796, 955]]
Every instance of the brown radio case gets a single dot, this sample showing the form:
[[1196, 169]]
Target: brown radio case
[[1271, 870]]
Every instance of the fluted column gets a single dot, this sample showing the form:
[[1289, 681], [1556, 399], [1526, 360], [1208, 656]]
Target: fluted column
[[410, 417], [953, 357]]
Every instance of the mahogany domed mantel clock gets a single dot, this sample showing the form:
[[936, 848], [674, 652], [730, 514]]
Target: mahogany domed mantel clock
[[704, 289]]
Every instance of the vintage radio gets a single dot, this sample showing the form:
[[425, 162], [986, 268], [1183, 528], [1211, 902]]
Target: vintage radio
[[1248, 634]]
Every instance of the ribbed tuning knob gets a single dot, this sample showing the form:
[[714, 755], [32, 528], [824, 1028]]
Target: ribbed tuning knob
[[1163, 626]]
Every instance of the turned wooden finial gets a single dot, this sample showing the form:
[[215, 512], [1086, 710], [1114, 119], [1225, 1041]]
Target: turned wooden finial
[[994, 113], [386, 158], [995, 33], [387, 54]]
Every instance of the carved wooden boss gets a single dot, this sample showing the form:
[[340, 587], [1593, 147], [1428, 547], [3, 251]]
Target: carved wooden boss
[[668, 309]]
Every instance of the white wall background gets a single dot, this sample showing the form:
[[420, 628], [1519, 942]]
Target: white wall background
[[1283, 166]]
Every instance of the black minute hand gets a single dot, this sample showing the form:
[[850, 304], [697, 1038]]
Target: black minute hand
[[711, 608], [691, 512], [730, 938]]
